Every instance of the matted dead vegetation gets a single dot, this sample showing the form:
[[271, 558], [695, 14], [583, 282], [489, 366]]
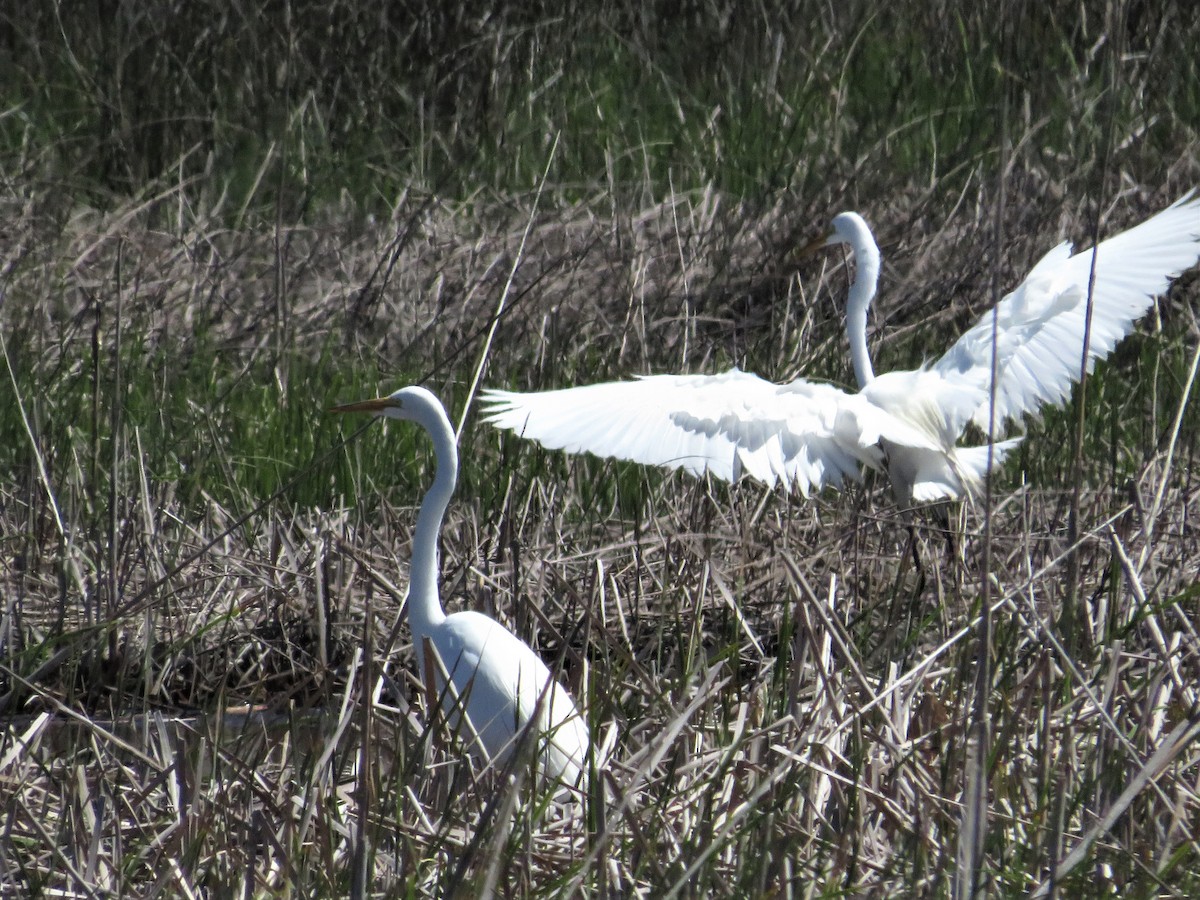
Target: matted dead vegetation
[[785, 683]]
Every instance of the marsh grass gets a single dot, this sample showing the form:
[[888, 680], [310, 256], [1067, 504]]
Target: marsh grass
[[201, 570]]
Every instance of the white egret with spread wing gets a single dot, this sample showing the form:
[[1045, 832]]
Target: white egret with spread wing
[[501, 683], [809, 434]]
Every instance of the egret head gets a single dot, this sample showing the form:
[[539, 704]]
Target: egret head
[[846, 228], [413, 404]]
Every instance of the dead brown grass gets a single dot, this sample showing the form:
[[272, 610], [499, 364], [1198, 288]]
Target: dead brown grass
[[785, 684]]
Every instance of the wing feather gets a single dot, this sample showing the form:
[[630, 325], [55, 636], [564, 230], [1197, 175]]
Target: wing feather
[[1040, 325], [805, 434]]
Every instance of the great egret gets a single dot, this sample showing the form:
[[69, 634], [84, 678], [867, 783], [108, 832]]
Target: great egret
[[809, 434], [495, 676]]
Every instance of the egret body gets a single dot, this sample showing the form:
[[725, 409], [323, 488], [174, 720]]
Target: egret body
[[496, 678], [809, 435]]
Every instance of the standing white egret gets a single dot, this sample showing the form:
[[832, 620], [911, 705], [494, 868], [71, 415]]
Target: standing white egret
[[809, 434], [494, 676]]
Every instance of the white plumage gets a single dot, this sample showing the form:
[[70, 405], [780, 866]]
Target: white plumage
[[507, 692], [1041, 322], [809, 435]]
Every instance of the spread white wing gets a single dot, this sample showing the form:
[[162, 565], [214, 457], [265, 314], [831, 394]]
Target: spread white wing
[[809, 435], [805, 434], [1040, 327]]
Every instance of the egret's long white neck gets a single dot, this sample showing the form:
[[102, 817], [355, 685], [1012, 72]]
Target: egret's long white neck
[[424, 603], [862, 290]]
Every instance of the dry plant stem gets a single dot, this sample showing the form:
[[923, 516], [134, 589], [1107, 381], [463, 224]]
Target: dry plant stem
[[24, 742], [926, 662], [508, 284], [95, 728], [1180, 738], [117, 405], [38, 457], [710, 665], [1115, 22], [777, 774], [639, 766], [1047, 632], [1152, 514], [360, 885], [1041, 628], [837, 634], [138, 603], [345, 715], [973, 828], [1134, 581], [398, 597]]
